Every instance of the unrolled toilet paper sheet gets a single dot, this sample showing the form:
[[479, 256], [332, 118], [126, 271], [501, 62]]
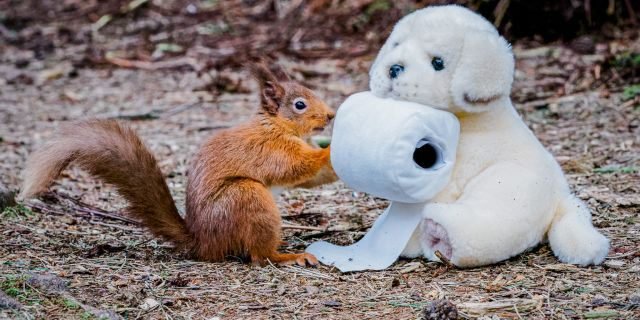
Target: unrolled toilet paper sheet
[[381, 245]]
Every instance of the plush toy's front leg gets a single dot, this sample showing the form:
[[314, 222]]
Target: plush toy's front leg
[[502, 212]]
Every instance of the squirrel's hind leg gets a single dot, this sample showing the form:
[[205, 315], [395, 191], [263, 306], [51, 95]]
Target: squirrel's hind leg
[[301, 259], [257, 224]]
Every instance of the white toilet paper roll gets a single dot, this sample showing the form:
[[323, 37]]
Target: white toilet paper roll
[[398, 150]]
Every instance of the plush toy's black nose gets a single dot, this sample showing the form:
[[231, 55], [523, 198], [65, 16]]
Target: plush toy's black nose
[[426, 156], [395, 70]]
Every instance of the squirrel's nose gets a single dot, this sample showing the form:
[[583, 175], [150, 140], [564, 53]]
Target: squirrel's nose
[[395, 70], [331, 115]]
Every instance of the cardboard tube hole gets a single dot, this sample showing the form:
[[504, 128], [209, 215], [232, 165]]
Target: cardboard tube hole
[[427, 156]]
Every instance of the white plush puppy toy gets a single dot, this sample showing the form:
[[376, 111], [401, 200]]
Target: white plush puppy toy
[[496, 195], [506, 192]]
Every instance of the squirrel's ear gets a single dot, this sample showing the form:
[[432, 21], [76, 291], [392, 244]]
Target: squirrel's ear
[[484, 73], [271, 91], [279, 72], [271, 96]]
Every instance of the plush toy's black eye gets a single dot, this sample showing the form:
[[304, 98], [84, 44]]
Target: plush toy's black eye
[[437, 63], [300, 105]]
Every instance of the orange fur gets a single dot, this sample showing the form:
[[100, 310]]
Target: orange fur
[[230, 209]]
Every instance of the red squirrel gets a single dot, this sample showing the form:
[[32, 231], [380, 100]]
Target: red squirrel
[[230, 210]]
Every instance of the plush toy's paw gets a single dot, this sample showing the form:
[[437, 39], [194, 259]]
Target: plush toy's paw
[[435, 238], [573, 238]]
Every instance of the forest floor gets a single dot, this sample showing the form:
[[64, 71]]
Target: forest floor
[[71, 254]]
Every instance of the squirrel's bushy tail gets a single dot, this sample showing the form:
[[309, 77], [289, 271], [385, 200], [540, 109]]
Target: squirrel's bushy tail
[[115, 154]]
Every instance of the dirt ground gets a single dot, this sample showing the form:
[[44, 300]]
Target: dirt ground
[[72, 255]]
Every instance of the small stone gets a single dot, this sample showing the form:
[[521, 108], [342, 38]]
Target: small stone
[[634, 298], [312, 290], [149, 304], [615, 264], [583, 45], [48, 283], [7, 302], [192, 9], [332, 303], [599, 300]]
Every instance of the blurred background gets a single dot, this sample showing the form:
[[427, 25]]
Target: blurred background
[[216, 33], [175, 71]]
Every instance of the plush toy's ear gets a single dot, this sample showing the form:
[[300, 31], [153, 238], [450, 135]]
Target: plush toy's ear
[[484, 73]]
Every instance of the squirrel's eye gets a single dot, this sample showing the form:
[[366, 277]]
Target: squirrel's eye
[[437, 63], [299, 105]]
